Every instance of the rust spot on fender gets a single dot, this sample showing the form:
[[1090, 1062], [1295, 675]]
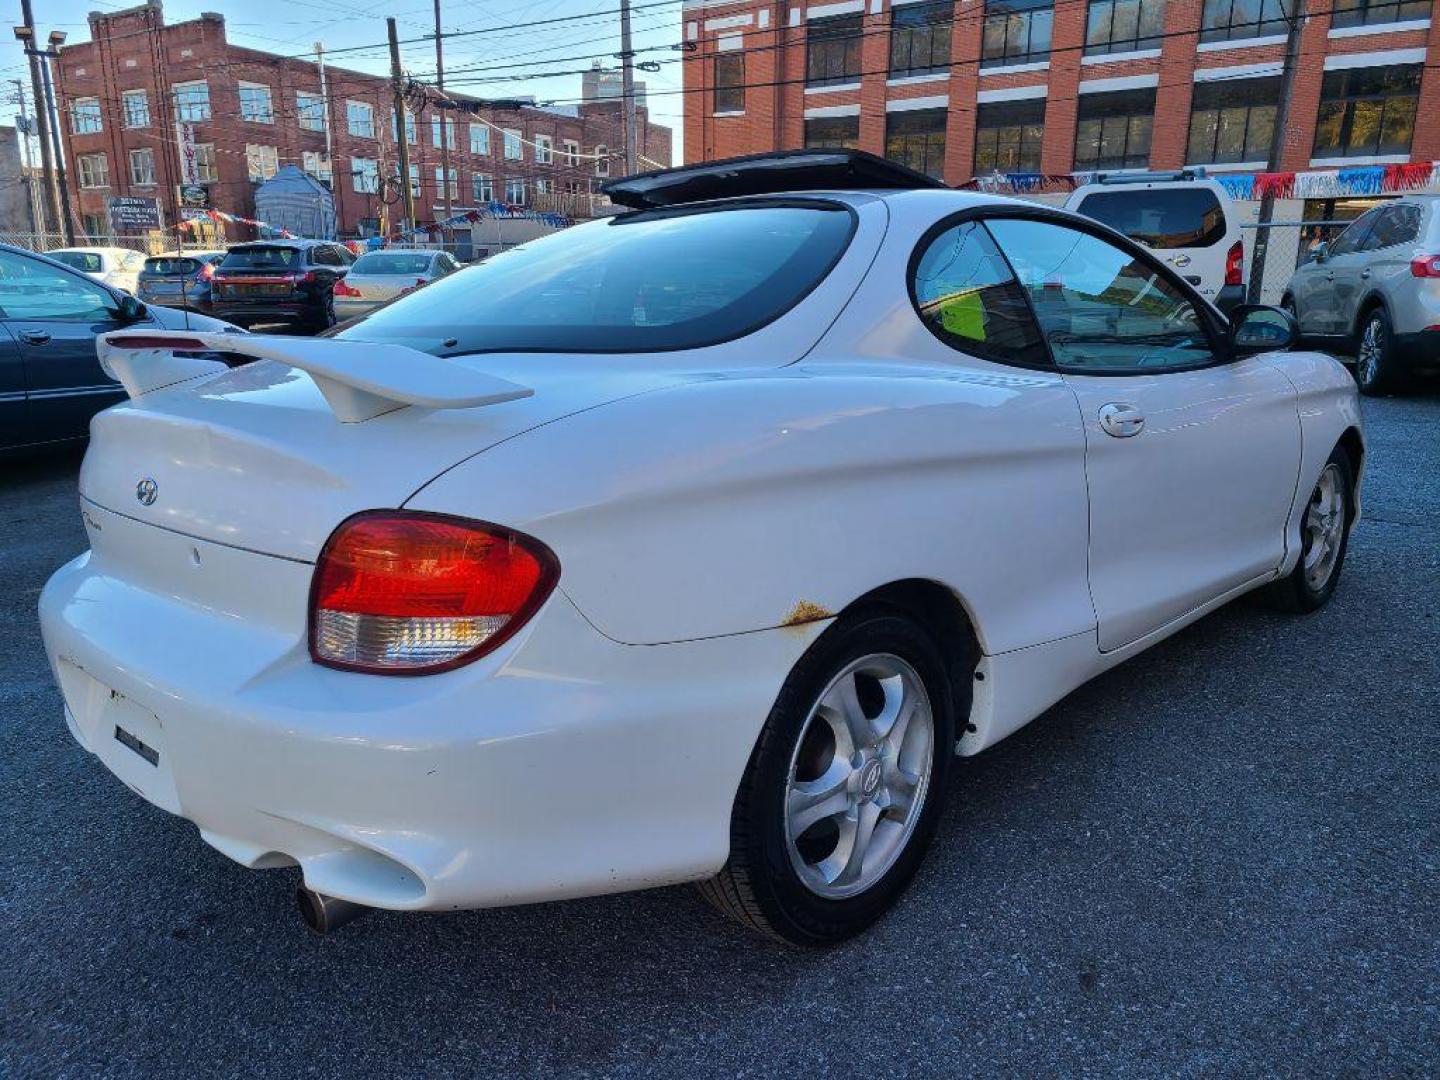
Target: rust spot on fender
[[806, 611]]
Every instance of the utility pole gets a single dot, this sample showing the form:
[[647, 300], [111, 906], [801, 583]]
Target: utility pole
[[401, 142], [32, 197], [26, 33], [324, 103], [627, 87], [67, 226], [444, 128], [1277, 150]]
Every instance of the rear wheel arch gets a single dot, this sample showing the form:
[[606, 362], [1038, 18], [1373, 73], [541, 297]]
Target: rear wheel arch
[[1354, 446], [1367, 306]]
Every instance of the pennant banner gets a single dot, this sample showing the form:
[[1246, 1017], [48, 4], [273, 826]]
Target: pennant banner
[[1318, 184]]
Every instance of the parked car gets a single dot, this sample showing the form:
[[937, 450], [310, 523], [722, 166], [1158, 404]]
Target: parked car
[[1376, 291], [114, 266], [379, 276], [51, 381], [280, 281], [822, 473], [180, 280], [1187, 219]]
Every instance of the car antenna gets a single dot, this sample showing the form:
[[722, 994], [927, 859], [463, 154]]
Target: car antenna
[[184, 296]]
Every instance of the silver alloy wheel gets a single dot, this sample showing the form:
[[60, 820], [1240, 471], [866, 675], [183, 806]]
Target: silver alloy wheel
[[1324, 527], [1367, 359], [858, 776]]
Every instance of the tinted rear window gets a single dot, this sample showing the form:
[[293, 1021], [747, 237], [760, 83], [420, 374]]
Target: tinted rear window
[[80, 260], [673, 279], [391, 264], [1178, 218], [261, 258], [170, 266]]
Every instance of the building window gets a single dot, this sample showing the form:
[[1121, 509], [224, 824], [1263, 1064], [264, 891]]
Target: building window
[[415, 181], [832, 50], [205, 169], [602, 160], [365, 175], [730, 82], [1016, 32], [448, 128], [832, 133], [136, 107], [917, 138], [317, 165], [192, 101], [454, 182], [142, 167], [482, 188], [479, 139], [310, 109], [360, 119], [1232, 120], [261, 162], [1113, 130], [570, 152], [1377, 12], [512, 149], [255, 107], [1234, 20], [542, 186], [96, 225], [85, 116], [1120, 26], [544, 150], [409, 127], [1008, 135], [515, 192], [1367, 111], [920, 39], [94, 170]]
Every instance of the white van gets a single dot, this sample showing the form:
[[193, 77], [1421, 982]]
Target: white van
[[1189, 221]]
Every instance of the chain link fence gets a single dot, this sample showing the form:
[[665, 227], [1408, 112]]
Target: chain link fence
[[1291, 243]]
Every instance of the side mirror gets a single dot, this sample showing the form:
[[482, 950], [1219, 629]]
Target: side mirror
[[130, 310], [1256, 328]]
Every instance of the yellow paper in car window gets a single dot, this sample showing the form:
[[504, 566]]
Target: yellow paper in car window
[[964, 316]]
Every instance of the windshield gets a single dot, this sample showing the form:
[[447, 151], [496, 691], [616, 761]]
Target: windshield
[[261, 258], [646, 282], [87, 261], [1178, 218], [170, 266], [391, 264]]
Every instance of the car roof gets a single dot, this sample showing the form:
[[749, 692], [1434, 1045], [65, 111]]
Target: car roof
[[295, 243], [96, 250]]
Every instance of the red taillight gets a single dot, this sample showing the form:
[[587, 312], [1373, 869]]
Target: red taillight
[[407, 593], [419, 281], [207, 272], [1425, 266], [342, 289], [1235, 264]]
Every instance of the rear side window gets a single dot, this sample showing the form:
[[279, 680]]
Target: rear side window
[[644, 282], [1188, 217], [1395, 225], [86, 261], [170, 266], [381, 264], [261, 258], [967, 296]]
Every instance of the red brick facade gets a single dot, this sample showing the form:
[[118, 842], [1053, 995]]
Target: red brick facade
[[772, 36], [134, 50]]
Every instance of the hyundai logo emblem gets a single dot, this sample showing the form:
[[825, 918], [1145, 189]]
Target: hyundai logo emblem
[[146, 491]]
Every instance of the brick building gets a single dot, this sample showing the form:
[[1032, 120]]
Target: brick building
[[965, 87], [124, 93]]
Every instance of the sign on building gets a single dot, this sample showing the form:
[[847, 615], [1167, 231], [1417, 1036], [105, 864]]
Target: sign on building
[[189, 162], [130, 214]]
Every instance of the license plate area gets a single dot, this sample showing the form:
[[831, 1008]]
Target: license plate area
[[137, 744]]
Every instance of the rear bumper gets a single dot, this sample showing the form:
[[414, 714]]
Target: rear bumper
[[564, 765], [240, 314], [1419, 350], [348, 309], [176, 301]]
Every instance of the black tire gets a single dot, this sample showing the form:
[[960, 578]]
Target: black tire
[[1297, 592], [326, 318], [759, 886], [1375, 365]]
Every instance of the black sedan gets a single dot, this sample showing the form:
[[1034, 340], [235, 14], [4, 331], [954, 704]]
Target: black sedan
[[279, 281]]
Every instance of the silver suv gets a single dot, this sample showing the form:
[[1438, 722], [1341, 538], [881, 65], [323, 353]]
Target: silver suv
[[1376, 290]]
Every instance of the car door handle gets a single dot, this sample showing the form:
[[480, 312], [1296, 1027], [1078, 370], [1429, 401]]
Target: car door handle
[[1364, 273], [1330, 276], [1121, 420], [35, 337]]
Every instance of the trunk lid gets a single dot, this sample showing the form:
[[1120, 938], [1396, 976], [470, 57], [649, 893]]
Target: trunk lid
[[383, 286]]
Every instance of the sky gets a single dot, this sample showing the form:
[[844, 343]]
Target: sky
[[502, 47]]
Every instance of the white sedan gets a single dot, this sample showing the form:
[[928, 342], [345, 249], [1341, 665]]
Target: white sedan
[[117, 267], [686, 545]]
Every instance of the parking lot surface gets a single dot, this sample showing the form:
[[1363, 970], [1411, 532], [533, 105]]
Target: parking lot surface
[[1220, 858]]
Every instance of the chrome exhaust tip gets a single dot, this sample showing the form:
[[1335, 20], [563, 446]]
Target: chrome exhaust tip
[[325, 914]]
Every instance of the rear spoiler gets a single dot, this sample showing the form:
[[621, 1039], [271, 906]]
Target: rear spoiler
[[360, 379]]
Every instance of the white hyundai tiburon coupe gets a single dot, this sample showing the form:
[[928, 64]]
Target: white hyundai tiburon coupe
[[685, 545]]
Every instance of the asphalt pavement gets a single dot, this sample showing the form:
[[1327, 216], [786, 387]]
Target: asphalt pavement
[[1222, 858]]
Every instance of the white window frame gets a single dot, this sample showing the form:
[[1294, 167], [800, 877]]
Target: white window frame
[[145, 178], [482, 180], [544, 150], [364, 113], [132, 117], [454, 182], [205, 168], [262, 155], [513, 185], [513, 141], [570, 152], [310, 110], [317, 165], [415, 181], [602, 160], [86, 117], [365, 176], [480, 145], [542, 185], [191, 106], [92, 178], [252, 95]]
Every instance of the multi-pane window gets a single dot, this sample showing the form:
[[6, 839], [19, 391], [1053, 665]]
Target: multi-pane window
[[920, 38], [730, 82], [409, 127], [1008, 135], [1366, 111], [94, 170], [85, 116], [1113, 129], [316, 164], [360, 119], [917, 138], [136, 107], [480, 139], [454, 182], [570, 152], [205, 170], [482, 188], [142, 167], [602, 160], [542, 186], [1234, 20], [1016, 32], [1232, 120], [449, 131], [515, 192], [261, 162], [365, 175], [511, 148], [1374, 12], [255, 106], [192, 101], [544, 150], [310, 111], [415, 181], [1119, 26], [832, 133], [832, 50]]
